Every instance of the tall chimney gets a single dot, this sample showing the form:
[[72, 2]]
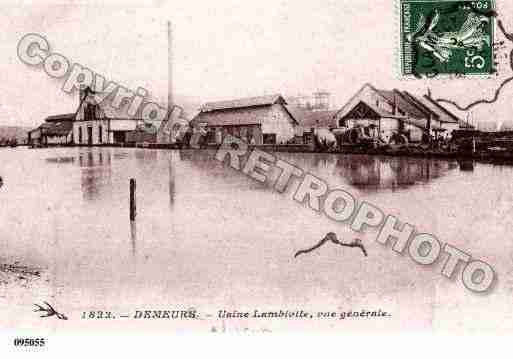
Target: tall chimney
[[170, 67]]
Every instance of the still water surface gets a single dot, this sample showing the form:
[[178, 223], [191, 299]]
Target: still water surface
[[208, 237]]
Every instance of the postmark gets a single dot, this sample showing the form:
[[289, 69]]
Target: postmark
[[447, 37]]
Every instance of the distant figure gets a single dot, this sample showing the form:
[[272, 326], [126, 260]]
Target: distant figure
[[332, 237], [1, 181]]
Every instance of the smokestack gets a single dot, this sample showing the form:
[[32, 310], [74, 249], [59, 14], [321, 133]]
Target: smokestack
[[170, 67]]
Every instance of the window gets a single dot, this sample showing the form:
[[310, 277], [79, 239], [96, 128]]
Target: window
[[269, 138], [100, 134], [211, 135], [89, 112], [80, 135]]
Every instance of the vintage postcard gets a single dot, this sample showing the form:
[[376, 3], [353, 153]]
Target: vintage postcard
[[256, 167]]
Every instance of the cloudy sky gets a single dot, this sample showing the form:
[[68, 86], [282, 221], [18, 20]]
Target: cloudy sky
[[221, 49]]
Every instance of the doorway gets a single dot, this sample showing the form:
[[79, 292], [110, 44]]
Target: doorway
[[89, 135], [119, 137]]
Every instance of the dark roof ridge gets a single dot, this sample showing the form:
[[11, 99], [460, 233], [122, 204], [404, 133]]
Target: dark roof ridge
[[244, 102], [415, 102], [449, 113]]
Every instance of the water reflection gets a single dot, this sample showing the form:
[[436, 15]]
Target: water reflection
[[368, 173], [171, 182], [205, 157], [200, 219], [96, 172], [466, 165], [62, 159], [209, 167], [133, 236], [374, 173], [145, 157]]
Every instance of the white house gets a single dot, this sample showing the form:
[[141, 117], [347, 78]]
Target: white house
[[97, 124]]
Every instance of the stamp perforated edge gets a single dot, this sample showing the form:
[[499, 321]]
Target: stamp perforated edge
[[398, 56]]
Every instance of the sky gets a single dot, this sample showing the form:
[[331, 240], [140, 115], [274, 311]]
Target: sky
[[221, 50]]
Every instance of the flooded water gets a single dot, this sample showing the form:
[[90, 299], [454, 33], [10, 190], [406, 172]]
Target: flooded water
[[211, 238]]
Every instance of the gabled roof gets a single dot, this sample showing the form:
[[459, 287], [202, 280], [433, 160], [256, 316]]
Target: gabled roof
[[107, 109], [60, 118], [243, 103], [245, 111], [445, 115], [234, 117], [354, 101], [309, 118], [415, 110], [414, 101], [345, 109], [57, 128], [396, 99], [374, 110]]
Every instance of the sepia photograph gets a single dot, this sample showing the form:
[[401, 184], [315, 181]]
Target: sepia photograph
[[255, 167]]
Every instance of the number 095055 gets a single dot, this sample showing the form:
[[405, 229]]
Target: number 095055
[[29, 342]]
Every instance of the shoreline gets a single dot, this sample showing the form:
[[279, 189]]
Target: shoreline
[[504, 157]]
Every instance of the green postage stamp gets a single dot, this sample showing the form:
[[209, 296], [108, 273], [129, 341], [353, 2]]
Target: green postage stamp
[[447, 37]]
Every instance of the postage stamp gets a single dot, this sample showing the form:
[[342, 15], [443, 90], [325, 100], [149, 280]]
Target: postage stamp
[[447, 37]]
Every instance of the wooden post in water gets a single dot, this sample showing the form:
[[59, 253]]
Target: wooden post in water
[[133, 210]]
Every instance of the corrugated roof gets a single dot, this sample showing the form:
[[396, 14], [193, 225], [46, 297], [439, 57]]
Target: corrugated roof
[[243, 102]]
